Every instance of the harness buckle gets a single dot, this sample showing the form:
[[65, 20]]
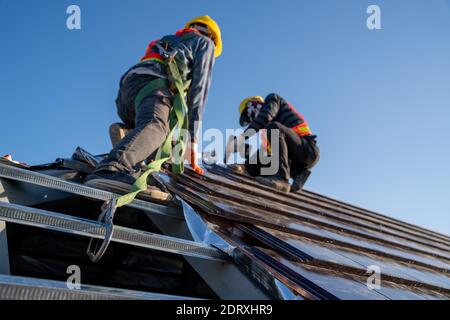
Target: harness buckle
[[164, 52]]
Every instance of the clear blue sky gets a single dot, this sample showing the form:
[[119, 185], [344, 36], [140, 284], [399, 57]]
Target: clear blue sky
[[378, 100]]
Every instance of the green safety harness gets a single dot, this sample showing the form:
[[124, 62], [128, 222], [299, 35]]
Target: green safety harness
[[178, 119]]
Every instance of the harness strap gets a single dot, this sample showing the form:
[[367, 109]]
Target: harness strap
[[149, 88], [178, 119]]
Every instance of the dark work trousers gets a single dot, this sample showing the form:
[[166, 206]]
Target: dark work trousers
[[149, 125], [254, 163], [295, 153]]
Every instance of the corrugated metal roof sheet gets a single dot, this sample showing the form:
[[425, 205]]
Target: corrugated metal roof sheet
[[305, 237], [296, 245]]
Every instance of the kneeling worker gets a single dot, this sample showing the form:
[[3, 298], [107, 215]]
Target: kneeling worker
[[298, 151]]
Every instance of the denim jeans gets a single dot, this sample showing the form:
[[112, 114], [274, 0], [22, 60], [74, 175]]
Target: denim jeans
[[149, 125]]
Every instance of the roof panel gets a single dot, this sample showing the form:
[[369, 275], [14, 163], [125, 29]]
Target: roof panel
[[319, 239], [304, 244]]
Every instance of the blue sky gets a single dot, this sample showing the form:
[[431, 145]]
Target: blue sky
[[378, 100]]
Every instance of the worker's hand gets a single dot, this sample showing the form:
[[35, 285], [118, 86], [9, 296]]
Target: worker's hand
[[191, 157], [198, 169]]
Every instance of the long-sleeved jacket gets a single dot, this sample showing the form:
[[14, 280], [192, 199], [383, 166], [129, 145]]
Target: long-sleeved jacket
[[277, 109], [197, 54]]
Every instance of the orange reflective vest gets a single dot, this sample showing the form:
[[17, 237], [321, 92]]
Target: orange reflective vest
[[303, 128], [152, 52]]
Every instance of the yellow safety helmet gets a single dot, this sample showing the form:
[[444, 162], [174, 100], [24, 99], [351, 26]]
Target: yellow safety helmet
[[244, 102], [244, 120], [213, 28]]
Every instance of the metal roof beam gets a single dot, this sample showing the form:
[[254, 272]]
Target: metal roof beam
[[54, 183], [22, 288], [87, 228]]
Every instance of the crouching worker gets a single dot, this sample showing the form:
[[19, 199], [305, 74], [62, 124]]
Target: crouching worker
[[148, 94], [298, 151]]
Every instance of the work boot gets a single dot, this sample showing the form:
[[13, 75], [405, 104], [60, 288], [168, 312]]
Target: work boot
[[300, 180], [275, 182], [237, 168], [119, 182], [117, 132]]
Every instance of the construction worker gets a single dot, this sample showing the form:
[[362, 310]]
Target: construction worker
[[298, 151], [146, 97]]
